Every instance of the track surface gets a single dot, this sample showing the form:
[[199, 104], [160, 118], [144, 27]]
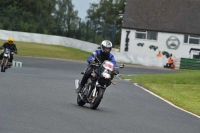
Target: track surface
[[40, 98]]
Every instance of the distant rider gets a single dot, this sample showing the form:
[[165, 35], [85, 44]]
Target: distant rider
[[9, 45], [102, 54]]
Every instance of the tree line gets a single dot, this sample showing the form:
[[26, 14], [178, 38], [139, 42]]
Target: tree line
[[58, 17]]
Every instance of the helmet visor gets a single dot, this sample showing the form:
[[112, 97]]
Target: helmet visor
[[10, 42], [107, 50]]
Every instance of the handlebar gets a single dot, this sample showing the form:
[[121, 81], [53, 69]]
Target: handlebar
[[95, 65], [11, 51]]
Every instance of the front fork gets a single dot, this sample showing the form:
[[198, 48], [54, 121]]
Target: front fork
[[96, 88], [5, 61]]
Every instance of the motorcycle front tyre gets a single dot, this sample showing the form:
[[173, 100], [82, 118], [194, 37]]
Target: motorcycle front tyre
[[4, 64], [97, 101], [79, 101]]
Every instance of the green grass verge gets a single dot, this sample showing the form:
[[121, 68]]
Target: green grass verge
[[49, 51], [182, 89]]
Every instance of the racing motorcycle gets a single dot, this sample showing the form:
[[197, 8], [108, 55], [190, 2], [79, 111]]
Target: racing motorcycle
[[5, 60], [99, 80]]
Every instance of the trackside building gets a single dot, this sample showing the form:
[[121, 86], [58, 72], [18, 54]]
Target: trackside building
[[169, 26]]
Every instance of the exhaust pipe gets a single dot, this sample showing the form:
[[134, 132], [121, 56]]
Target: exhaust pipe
[[76, 83]]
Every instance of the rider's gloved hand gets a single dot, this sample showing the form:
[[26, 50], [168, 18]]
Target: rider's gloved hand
[[92, 62]]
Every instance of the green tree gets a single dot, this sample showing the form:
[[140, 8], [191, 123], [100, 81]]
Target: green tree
[[47, 17], [58, 17], [66, 17], [27, 15], [106, 15]]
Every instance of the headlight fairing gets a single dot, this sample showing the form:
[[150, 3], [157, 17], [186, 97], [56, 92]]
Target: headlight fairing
[[5, 55], [106, 75]]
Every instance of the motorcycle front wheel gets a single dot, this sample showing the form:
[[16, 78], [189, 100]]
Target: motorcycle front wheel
[[96, 101], [4, 64], [80, 102]]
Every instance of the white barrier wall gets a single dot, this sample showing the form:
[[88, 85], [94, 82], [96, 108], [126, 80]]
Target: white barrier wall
[[48, 39], [127, 57]]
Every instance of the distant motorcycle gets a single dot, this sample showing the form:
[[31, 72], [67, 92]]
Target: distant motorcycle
[[5, 60], [97, 83]]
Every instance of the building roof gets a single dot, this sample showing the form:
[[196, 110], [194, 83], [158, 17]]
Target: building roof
[[176, 16], [195, 49]]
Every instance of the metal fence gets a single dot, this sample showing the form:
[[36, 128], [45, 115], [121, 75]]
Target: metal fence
[[96, 32]]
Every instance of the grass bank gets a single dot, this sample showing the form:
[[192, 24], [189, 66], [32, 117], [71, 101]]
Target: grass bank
[[182, 89], [49, 51]]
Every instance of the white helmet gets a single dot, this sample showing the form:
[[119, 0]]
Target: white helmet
[[106, 46]]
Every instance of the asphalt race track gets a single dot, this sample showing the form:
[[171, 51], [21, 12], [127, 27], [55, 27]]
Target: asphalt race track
[[40, 98]]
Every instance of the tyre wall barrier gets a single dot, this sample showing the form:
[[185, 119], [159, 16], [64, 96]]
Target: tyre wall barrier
[[177, 62], [192, 64]]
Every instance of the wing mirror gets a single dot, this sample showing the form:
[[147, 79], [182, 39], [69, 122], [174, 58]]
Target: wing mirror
[[121, 66]]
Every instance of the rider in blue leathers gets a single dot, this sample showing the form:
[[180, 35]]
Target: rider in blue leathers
[[102, 54], [102, 57]]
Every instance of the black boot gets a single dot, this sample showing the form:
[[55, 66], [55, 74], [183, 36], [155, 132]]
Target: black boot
[[79, 89], [82, 83]]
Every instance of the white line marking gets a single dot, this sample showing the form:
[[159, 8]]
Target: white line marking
[[167, 101], [17, 64], [118, 76]]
